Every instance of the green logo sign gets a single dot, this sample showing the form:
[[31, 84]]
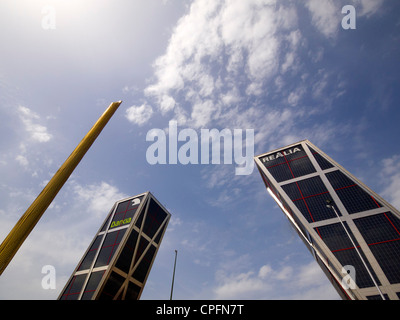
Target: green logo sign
[[120, 223]]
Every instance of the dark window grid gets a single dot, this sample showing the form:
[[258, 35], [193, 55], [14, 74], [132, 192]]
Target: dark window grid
[[143, 243], [268, 184], [356, 200], [381, 232], [110, 246], [388, 256], [283, 202], [297, 167], [315, 209], [143, 267], [379, 228], [341, 182], [303, 198], [286, 161], [322, 162], [358, 246], [66, 295], [89, 285], [125, 211], [112, 286], [125, 259], [392, 223], [114, 246], [153, 220], [351, 257], [146, 258], [327, 192], [87, 261], [305, 202], [336, 238], [340, 245], [317, 204], [275, 192]]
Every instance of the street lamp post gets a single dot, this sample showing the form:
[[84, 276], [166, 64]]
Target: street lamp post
[[173, 276]]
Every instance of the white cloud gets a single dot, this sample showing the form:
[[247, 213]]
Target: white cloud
[[98, 197], [391, 176], [264, 271], [241, 286], [218, 50], [326, 16], [369, 7], [139, 114], [29, 118], [22, 160], [299, 282]]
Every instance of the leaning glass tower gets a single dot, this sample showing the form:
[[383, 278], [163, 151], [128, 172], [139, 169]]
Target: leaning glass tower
[[352, 232], [118, 261]]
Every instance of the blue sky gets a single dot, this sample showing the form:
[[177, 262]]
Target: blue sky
[[286, 69]]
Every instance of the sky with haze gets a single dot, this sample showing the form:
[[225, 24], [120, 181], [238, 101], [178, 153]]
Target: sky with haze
[[286, 69]]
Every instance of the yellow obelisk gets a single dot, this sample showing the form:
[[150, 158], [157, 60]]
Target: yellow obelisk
[[27, 222]]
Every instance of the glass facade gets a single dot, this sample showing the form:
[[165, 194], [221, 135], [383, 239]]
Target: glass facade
[[118, 261], [359, 230]]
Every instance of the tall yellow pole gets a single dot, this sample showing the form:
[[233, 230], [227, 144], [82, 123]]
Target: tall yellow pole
[[27, 222]]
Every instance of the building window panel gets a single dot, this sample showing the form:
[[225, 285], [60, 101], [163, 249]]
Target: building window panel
[[322, 162], [281, 172], [114, 283], [353, 197], [339, 180], [125, 258], [381, 232], [312, 186], [109, 247], [74, 288], [317, 206], [124, 213], [288, 164], [141, 270], [310, 197], [301, 167], [356, 200], [87, 261], [337, 240], [155, 216], [92, 284], [132, 291], [388, 256]]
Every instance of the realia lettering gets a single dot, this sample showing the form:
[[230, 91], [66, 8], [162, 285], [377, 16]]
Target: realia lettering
[[280, 154]]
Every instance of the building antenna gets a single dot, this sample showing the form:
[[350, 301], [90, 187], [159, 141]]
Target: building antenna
[[329, 204], [173, 275]]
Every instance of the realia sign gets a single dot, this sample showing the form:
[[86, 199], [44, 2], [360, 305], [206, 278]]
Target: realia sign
[[281, 154]]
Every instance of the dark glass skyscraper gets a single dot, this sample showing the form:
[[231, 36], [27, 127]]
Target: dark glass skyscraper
[[118, 261], [352, 232]]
